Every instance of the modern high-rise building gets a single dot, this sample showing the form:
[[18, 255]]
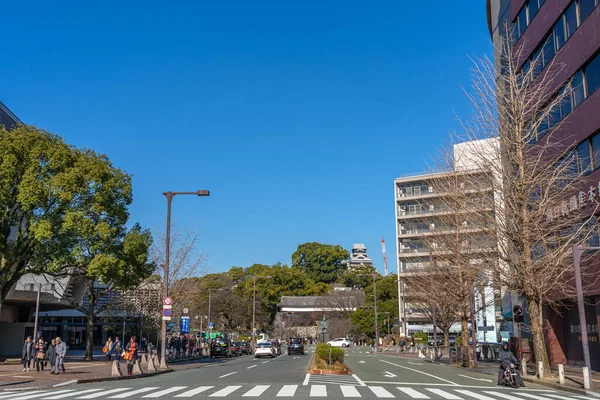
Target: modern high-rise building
[[426, 216], [7, 118], [564, 33]]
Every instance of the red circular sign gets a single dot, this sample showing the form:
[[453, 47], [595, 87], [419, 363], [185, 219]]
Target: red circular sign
[[167, 301]]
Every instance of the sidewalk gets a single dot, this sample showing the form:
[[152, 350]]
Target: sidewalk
[[13, 377], [573, 375]]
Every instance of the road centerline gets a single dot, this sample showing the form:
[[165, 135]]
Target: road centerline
[[229, 374]]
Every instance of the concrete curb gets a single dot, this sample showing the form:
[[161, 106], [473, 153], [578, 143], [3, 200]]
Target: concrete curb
[[123, 377]]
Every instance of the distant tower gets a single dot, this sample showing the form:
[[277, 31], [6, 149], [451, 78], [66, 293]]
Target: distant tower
[[359, 256], [385, 269]]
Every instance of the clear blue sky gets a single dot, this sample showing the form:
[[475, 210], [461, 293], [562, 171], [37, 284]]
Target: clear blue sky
[[296, 115]]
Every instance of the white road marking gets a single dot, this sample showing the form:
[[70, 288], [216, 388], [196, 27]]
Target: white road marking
[[361, 362], [94, 395], [349, 391], [381, 392], [225, 392], [133, 392], [475, 379], [413, 393], [444, 394], [287, 391], [318, 391], [295, 358], [532, 396], [359, 380], [226, 375], [504, 395], [252, 366], [264, 362], [193, 392], [163, 392], [421, 372], [65, 383], [474, 395], [388, 374], [562, 397], [256, 391], [65, 395], [306, 379], [412, 363], [34, 395], [4, 395]]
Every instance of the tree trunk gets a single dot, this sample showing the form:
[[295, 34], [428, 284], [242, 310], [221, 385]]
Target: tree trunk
[[464, 334], [89, 334], [446, 331], [534, 307]]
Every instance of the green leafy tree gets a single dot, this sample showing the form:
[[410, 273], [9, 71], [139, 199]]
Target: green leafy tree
[[321, 262], [357, 278], [39, 182], [104, 255]]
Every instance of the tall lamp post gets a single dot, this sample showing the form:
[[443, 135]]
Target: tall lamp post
[[374, 275], [163, 328], [577, 251], [254, 304]]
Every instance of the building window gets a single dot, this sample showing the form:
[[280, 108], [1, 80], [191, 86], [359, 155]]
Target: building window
[[571, 19], [31, 287], [522, 20], [596, 150], [584, 162], [559, 34], [585, 9], [53, 287], [578, 91], [592, 76]]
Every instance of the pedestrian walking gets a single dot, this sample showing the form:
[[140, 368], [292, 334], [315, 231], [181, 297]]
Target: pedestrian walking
[[108, 349], [131, 355], [118, 348], [40, 355], [372, 346], [61, 352], [51, 355], [27, 354]]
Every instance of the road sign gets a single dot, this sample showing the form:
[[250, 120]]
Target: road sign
[[168, 301], [254, 330], [166, 314], [185, 310], [167, 306], [254, 333], [184, 324], [211, 325]]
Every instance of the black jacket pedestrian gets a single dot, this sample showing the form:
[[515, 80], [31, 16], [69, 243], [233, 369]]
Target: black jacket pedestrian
[[27, 353]]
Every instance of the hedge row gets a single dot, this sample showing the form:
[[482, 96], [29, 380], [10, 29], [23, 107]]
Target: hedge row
[[337, 354]]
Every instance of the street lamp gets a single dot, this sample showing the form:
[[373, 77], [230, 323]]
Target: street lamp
[[254, 303], [163, 329], [577, 250], [374, 275], [37, 311]]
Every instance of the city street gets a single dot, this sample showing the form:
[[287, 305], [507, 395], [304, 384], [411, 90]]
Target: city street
[[380, 376]]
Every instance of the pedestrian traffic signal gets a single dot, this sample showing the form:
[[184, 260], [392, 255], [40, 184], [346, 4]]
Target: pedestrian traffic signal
[[518, 313]]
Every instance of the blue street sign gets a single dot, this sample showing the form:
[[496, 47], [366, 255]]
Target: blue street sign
[[211, 325], [184, 324]]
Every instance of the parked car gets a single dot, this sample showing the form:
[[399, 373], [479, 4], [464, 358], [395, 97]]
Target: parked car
[[220, 348], [265, 349], [295, 346], [236, 350], [245, 347], [339, 342]]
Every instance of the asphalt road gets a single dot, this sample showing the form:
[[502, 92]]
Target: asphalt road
[[374, 376]]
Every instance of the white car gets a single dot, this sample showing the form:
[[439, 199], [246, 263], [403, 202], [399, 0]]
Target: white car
[[339, 342], [265, 349]]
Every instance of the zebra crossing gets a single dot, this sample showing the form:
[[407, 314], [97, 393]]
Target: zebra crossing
[[287, 391]]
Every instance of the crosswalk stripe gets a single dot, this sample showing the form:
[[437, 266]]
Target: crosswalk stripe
[[443, 394], [474, 395], [349, 391], [413, 393], [380, 392], [562, 397], [5, 395], [287, 391], [256, 391], [533, 396], [194, 392], [503, 395], [34, 395], [225, 392], [318, 391], [133, 392], [95, 395], [65, 395], [163, 392]]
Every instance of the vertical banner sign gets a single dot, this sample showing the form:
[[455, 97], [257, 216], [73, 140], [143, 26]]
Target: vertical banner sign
[[184, 325], [490, 314], [479, 315]]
